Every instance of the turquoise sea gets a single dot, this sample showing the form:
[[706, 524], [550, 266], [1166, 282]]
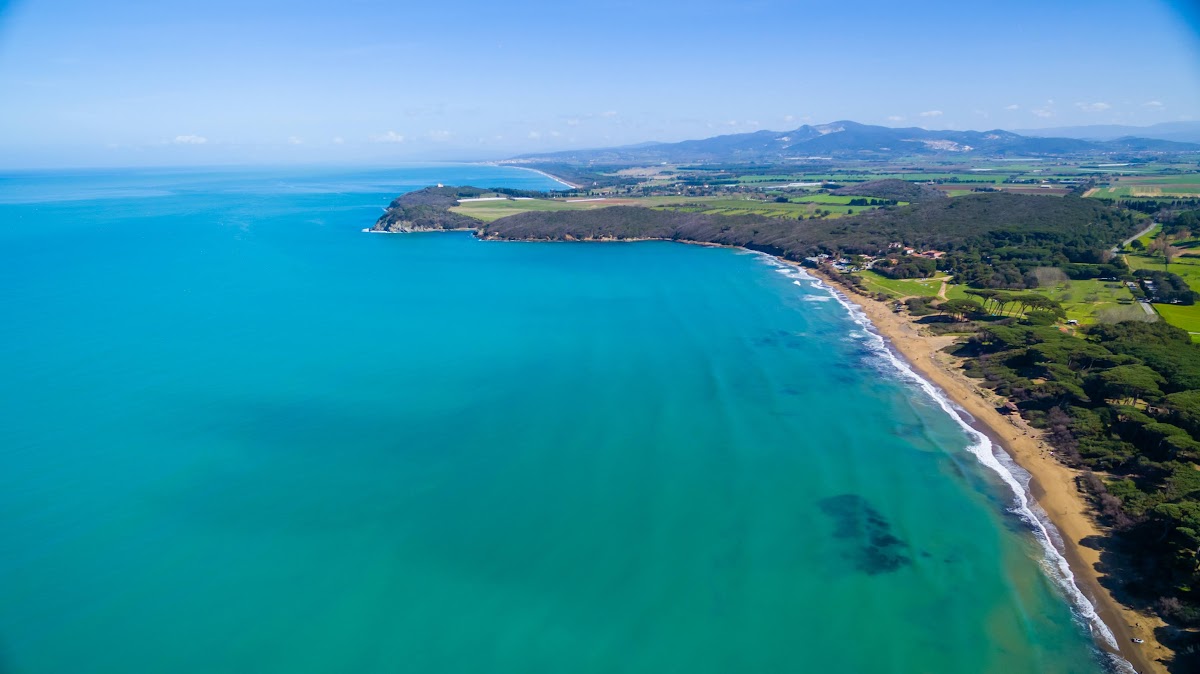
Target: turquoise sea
[[240, 435]]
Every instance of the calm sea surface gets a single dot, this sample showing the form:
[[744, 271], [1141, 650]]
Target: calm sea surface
[[239, 435]]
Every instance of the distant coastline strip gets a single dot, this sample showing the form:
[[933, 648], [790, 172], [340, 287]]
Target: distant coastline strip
[[556, 179]]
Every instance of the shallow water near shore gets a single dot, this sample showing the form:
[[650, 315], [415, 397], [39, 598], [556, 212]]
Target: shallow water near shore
[[239, 435]]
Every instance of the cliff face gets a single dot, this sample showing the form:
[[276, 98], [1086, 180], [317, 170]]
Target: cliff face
[[428, 209]]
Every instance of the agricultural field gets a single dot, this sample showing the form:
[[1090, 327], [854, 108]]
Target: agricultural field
[[1178, 185], [959, 189], [734, 206], [489, 210], [775, 178], [974, 177]]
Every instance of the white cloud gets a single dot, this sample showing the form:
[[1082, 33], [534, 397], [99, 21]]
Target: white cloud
[[389, 137], [982, 113], [932, 113], [534, 135], [608, 113], [295, 140], [555, 134], [439, 136], [789, 118], [338, 140], [1098, 106], [1044, 113], [1153, 105], [189, 139], [895, 118], [574, 121], [1014, 106]]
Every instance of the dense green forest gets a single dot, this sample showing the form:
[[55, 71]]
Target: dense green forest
[[992, 240], [1121, 401], [1018, 232], [895, 189]]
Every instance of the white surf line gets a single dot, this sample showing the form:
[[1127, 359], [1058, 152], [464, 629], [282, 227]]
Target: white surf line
[[985, 451], [556, 179]]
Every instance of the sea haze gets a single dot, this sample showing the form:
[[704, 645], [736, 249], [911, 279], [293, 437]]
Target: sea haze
[[240, 435]]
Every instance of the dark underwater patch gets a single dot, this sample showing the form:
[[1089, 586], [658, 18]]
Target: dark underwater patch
[[870, 546], [781, 339]]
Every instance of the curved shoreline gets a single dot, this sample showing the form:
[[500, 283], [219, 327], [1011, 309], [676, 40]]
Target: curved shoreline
[[1060, 513], [539, 172], [1051, 493]]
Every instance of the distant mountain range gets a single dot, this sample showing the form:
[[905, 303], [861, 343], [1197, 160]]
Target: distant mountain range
[[850, 140], [1183, 132]]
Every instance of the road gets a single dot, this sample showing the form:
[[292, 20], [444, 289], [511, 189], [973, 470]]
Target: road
[[1126, 242], [1146, 307]]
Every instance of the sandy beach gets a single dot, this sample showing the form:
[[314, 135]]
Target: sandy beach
[[1054, 485], [556, 179]]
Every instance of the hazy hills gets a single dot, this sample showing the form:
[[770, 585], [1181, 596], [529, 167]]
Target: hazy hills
[[850, 140], [1183, 132]]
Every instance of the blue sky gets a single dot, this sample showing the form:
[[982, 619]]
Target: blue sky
[[112, 83]]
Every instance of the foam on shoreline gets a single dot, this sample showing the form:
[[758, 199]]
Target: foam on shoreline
[[991, 456], [556, 179]]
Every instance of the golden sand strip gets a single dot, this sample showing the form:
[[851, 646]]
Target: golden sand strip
[[1055, 486]]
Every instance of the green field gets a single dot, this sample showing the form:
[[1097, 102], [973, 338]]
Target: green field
[[1084, 301], [1148, 237], [834, 199], [879, 283], [1153, 190], [771, 209], [488, 211], [1188, 268], [776, 178], [824, 199], [1091, 300], [492, 210], [1180, 316], [1171, 185]]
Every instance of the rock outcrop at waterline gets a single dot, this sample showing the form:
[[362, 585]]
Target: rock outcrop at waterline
[[428, 209]]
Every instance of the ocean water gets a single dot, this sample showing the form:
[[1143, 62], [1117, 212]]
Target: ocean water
[[240, 435]]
